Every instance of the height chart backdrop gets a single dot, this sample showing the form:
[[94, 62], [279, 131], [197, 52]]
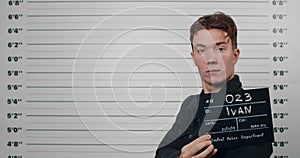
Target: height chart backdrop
[[106, 78]]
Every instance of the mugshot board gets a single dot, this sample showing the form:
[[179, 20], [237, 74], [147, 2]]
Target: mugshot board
[[107, 78]]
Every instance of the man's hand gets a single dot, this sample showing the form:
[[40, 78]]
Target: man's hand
[[199, 148]]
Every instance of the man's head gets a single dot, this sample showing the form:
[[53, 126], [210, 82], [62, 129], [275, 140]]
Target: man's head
[[214, 43], [219, 21]]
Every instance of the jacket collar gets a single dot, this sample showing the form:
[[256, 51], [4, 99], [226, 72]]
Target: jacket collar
[[234, 84]]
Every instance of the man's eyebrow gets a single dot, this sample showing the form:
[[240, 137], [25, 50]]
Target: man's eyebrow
[[201, 45], [219, 43], [225, 41]]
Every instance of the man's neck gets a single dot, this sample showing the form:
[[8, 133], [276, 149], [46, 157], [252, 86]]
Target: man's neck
[[214, 88], [211, 88]]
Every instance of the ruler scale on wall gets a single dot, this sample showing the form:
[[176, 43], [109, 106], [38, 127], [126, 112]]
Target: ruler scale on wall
[[106, 78]]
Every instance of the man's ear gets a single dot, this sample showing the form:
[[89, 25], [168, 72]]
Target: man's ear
[[193, 57], [236, 55]]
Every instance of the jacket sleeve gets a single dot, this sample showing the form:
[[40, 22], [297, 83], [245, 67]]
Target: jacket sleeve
[[178, 135], [167, 152]]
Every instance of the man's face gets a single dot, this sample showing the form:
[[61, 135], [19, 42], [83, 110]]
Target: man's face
[[214, 56]]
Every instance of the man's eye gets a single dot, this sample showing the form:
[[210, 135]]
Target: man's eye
[[201, 50], [221, 48]]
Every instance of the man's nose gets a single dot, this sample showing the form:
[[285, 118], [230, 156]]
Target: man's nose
[[212, 56]]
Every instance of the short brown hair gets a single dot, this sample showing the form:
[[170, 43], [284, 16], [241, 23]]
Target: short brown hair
[[217, 20]]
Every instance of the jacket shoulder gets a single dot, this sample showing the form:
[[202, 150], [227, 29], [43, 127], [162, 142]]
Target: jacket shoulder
[[190, 102]]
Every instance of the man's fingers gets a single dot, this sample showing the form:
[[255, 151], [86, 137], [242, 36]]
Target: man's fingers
[[200, 139], [213, 153], [201, 147], [196, 141], [208, 152]]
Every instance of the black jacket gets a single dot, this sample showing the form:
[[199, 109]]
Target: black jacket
[[186, 129]]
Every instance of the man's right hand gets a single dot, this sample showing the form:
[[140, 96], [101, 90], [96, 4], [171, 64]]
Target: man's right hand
[[199, 148]]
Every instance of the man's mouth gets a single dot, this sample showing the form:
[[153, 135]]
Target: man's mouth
[[212, 71]]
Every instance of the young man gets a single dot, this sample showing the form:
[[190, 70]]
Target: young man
[[214, 44]]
